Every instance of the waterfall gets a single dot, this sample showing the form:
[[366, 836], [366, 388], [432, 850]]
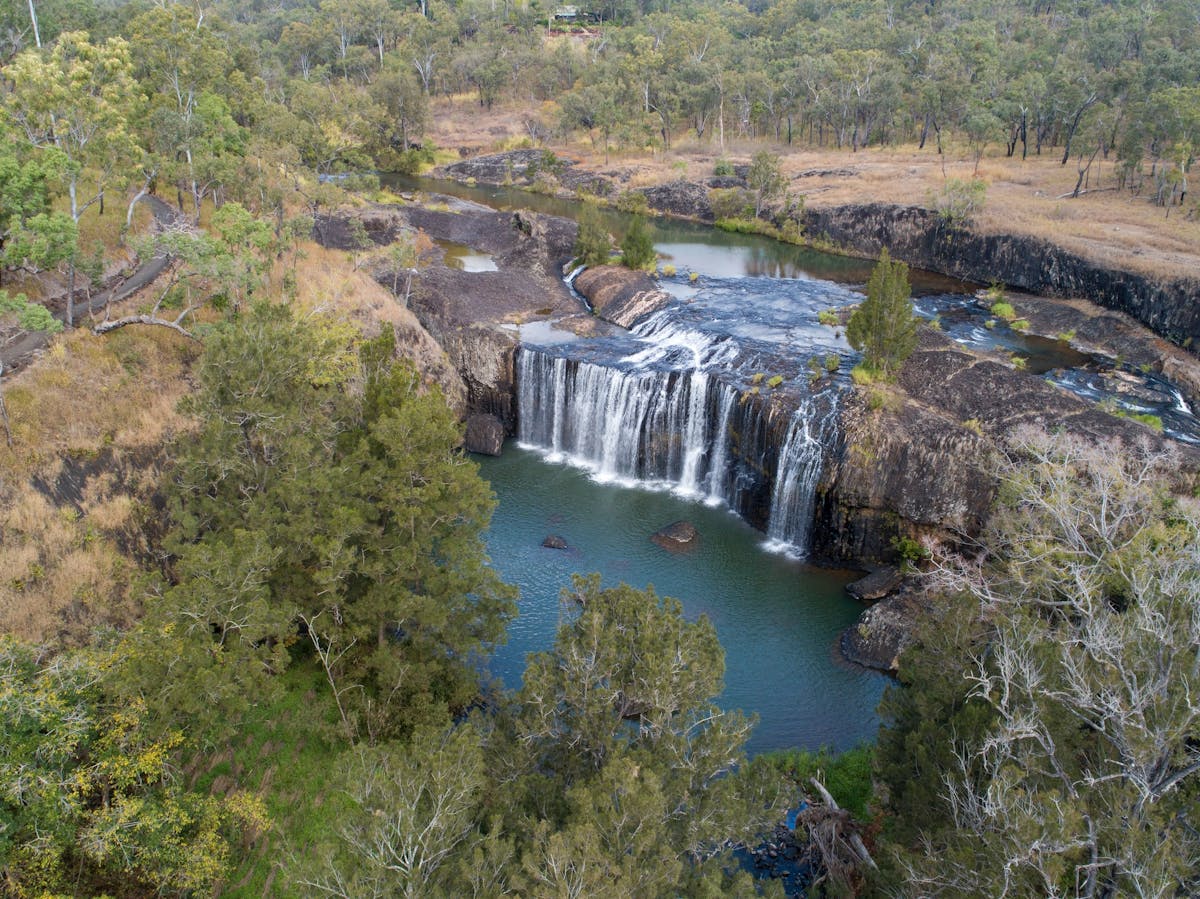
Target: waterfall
[[800, 459], [631, 420], [626, 423]]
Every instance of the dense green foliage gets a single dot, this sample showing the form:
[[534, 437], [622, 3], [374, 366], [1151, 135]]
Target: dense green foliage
[[883, 327], [593, 244], [89, 800], [323, 502], [319, 557], [637, 246]]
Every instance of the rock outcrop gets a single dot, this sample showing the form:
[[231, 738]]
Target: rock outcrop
[[919, 237], [518, 166], [883, 632], [876, 585], [677, 536], [919, 465], [474, 315], [620, 295], [683, 199], [485, 434]]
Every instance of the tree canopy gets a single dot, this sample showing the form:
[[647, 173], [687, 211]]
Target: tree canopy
[[1045, 741]]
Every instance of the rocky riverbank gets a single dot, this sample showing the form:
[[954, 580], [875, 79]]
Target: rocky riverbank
[[918, 236], [912, 461]]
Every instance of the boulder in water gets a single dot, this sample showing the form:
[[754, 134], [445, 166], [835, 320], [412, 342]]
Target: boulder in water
[[485, 434], [876, 585], [884, 631], [678, 536], [553, 541]]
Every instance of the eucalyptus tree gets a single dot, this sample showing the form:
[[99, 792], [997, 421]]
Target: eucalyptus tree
[[184, 63], [80, 99], [1046, 741]]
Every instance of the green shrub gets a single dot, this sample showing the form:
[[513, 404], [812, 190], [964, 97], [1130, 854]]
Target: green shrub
[[593, 244], [862, 376], [1019, 362], [30, 316], [1148, 419], [668, 270], [1021, 324], [883, 327], [774, 381], [846, 775], [833, 362], [747, 226], [959, 201], [632, 201], [829, 317], [731, 203], [693, 277], [1004, 310], [911, 552], [758, 378], [1066, 336], [637, 248], [723, 168]]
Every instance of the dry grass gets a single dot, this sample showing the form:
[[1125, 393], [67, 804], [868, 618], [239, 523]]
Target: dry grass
[[1111, 227], [88, 393], [64, 572], [89, 420], [328, 284]]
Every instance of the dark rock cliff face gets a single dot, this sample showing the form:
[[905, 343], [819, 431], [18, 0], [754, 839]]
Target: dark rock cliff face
[[905, 471], [1171, 308], [920, 465], [473, 315], [684, 199]]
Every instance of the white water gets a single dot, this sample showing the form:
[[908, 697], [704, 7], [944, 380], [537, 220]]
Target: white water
[[663, 416], [799, 470]]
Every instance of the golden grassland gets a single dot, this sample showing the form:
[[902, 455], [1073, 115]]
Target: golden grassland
[[1114, 228], [91, 422]]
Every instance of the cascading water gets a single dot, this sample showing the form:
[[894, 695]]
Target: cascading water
[[800, 461], [669, 406]]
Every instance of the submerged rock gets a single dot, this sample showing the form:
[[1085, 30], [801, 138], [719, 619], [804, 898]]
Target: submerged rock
[[553, 541], [677, 536]]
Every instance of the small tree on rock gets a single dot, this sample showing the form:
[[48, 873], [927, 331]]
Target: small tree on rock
[[593, 244], [883, 327], [637, 249]]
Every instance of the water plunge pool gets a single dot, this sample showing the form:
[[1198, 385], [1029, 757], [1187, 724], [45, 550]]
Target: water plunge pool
[[777, 619]]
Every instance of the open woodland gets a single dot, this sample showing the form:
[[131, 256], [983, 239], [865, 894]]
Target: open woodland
[[242, 580]]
